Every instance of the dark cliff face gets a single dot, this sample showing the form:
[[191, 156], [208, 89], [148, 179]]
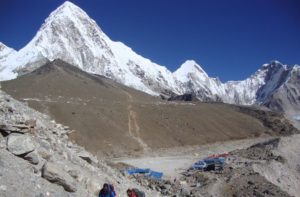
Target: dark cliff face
[[276, 75], [184, 97], [286, 98]]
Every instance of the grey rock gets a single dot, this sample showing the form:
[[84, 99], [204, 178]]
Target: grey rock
[[87, 157], [17, 179], [55, 174], [31, 123], [73, 173], [2, 142], [20, 144], [32, 157], [7, 129], [18, 128], [184, 192]]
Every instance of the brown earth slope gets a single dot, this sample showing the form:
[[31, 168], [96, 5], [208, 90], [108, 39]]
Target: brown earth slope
[[110, 118]]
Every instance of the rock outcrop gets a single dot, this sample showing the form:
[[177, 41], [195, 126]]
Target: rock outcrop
[[56, 175]]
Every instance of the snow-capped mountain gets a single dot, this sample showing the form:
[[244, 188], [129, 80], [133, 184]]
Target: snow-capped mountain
[[257, 89], [284, 94], [5, 51], [193, 79], [71, 35]]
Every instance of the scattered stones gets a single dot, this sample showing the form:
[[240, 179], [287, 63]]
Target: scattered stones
[[261, 151], [19, 144], [56, 175], [165, 187], [65, 170]]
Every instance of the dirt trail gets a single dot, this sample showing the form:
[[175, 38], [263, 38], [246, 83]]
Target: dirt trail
[[133, 127]]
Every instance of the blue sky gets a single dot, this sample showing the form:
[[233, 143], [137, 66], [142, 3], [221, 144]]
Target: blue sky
[[230, 39]]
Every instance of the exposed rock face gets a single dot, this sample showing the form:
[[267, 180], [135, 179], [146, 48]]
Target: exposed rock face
[[20, 144], [286, 98], [184, 97], [54, 174]]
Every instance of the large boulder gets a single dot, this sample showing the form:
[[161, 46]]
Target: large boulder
[[55, 174], [20, 144]]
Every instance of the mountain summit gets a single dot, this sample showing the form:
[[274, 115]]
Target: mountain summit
[[71, 35]]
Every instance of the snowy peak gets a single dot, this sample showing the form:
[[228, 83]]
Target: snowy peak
[[68, 9], [71, 35], [188, 69], [193, 79], [5, 51]]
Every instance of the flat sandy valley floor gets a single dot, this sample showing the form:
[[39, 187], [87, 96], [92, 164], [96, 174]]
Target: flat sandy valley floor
[[255, 167], [174, 161]]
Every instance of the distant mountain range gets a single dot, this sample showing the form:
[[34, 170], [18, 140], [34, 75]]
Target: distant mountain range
[[71, 35]]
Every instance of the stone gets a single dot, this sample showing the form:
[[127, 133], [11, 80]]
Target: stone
[[55, 174], [19, 144], [10, 109], [184, 192], [18, 128], [87, 157], [93, 186], [3, 187], [32, 157], [31, 123], [21, 126], [73, 173], [2, 142], [7, 129]]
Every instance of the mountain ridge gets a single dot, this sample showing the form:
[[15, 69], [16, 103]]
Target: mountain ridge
[[71, 35]]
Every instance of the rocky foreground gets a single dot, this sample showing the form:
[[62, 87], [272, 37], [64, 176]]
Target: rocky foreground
[[38, 159]]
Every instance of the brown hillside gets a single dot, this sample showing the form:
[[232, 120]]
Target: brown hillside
[[110, 118]]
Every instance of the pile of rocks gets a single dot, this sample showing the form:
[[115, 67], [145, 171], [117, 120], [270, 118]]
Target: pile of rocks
[[238, 178], [165, 187], [38, 159]]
